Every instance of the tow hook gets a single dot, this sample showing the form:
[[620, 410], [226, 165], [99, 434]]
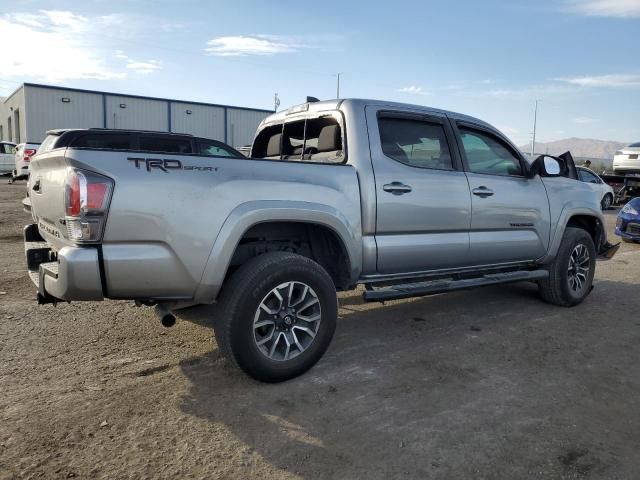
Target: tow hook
[[167, 318]]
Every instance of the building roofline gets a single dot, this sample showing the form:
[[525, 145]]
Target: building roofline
[[6, 99], [127, 95]]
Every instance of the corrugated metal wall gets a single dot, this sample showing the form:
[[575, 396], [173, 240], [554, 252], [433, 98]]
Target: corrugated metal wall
[[8, 118], [202, 121], [41, 108], [137, 113], [241, 125], [46, 110]]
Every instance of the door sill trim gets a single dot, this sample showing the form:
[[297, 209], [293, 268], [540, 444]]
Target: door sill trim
[[478, 269]]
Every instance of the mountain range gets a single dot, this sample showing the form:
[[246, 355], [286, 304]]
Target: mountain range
[[579, 147]]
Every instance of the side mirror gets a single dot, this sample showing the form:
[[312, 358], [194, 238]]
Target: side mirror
[[546, 166]]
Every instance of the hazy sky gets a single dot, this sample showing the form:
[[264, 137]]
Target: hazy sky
[[490, 59]]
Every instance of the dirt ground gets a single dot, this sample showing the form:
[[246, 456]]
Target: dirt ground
[[489, 383]]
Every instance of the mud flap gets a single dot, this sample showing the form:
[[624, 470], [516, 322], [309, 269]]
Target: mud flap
[[608, 250]]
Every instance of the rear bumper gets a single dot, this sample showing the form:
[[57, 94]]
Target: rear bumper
[[72, 273]]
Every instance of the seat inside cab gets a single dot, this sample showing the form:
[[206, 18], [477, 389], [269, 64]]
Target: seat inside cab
[[317, 140]]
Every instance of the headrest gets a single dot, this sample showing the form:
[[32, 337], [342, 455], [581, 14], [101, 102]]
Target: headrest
[[329, 139], [273, 147]]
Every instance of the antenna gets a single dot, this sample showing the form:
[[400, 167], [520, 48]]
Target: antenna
[[535, 121]]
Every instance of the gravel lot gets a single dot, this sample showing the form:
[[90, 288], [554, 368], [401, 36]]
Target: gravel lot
[[489, 383]]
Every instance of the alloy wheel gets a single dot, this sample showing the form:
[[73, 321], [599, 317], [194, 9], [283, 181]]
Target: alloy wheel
[[578, 270], [287, 320]]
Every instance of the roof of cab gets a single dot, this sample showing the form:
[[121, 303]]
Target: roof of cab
[[337, 104]]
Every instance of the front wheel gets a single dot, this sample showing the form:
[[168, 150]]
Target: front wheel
[[606, 202], [277, 317], [571, 273]]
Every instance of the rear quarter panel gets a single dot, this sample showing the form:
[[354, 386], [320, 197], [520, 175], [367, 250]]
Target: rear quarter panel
[[165, 227]]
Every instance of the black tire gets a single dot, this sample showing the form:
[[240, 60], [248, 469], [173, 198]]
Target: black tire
[[240, 301], [607, 202], [627, 240], [557, 288]]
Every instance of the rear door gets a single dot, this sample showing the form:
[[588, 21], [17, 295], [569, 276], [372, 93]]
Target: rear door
[[7, 153], [510, 218], [423, 201]]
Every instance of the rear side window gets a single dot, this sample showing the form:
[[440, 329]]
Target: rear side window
[[149, 143], [415, 142], [49, 143], [488, 154], [104, 141]]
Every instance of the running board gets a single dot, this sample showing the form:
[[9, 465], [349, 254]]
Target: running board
[[421, 289]]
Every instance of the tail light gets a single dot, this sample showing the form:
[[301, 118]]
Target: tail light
[[28, 153], [86, 198]]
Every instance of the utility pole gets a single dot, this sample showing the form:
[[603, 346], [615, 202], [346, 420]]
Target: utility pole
[[338, 87], [276, 102], [535, 121]]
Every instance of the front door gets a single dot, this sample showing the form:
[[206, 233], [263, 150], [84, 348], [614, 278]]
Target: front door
[[423, 200], [510, 218]]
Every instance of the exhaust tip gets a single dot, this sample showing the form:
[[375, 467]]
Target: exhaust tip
[[167, 319]]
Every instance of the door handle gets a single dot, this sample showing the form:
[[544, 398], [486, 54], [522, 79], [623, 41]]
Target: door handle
[[396, 188], [482, 192]]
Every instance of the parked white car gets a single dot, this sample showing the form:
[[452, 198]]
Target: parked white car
[[22, 160], [604, 191], [627, 160], [7, 153]]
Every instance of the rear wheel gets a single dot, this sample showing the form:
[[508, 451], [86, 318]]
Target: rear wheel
[[571, 273], [277, 317], [606, 202]]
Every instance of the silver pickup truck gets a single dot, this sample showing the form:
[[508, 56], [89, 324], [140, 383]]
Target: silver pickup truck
[[403, 199]]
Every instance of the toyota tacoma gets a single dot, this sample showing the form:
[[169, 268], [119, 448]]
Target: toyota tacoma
[[402, 199]]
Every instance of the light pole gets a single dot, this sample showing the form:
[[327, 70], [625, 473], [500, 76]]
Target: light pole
[[535, 121], [276, 102], [338, 87]]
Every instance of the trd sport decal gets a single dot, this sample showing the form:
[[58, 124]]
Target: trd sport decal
[[166, 164]]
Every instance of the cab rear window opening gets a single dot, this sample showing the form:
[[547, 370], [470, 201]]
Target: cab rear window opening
[[313, 140]]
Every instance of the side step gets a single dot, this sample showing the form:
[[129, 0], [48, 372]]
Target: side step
[[421, 289]]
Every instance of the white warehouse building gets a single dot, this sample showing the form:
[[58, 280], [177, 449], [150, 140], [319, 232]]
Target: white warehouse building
[[32, 109]]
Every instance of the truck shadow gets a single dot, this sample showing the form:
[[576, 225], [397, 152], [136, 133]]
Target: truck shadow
[[445, 386]]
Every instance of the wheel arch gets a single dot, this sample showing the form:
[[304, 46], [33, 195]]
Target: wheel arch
[[251, 218], [584, 218]]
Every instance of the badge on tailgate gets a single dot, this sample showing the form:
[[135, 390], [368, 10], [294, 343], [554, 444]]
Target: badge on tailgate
[[48, 228]]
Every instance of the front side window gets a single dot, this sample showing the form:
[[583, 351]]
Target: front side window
[[588, 177], [415, 142], [489, 155]]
